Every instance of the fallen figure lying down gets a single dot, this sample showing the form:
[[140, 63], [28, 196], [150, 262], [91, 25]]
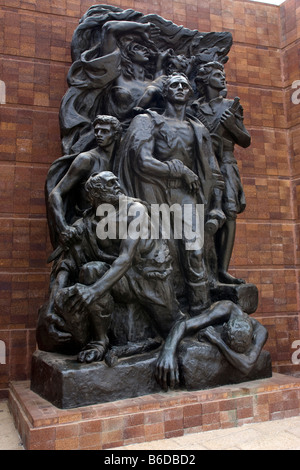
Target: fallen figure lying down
[[239, 338]]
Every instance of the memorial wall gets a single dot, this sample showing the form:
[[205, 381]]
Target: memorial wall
[[263, 70]]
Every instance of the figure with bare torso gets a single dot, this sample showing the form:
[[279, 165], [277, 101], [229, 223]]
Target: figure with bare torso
[[97, 269], [173, 163], [239, 338], [107, 131]]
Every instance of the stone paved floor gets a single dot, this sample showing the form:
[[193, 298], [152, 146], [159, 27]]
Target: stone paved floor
[[271, 435], [9, 437]]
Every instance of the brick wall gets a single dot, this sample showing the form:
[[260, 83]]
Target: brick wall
[[35, 40]]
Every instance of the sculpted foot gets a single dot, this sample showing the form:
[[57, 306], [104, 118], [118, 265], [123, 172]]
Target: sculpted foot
[[226, 278], [92, 352]]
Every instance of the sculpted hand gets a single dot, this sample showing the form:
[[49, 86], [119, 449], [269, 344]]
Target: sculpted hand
[[55, 328], [212, 335], [164, 55], [80, 297], [68, 237], [228, 119], [149, 31], [154, 30], [167, 372], [191, 180], [219, 215]]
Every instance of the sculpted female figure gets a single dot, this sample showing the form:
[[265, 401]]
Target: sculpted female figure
[[111, 76], [132, 42], [116, 54]]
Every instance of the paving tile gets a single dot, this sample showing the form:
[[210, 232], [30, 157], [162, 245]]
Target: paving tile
[[232, 439], [9, 438]]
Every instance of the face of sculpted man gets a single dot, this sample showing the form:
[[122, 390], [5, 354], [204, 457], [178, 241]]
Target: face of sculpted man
[[177, 89], [107, 130], [106, 189]]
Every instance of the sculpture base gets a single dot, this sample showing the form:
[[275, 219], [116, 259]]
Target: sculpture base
[[245, 295], [67, 384], [42, 426]]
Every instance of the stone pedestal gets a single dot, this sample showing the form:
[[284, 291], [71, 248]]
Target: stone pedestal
[[42, 426], [245, 295], [68, 384]]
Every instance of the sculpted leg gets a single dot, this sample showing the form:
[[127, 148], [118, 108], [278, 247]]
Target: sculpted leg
[[52, 332], [197, 282], [99, 315], [225, 241]]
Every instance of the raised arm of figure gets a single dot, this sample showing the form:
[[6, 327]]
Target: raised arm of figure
[[112, 30]]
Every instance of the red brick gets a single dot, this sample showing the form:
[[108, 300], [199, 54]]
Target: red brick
[[134, 432], [154, 431], [261, 69], [87, 441]]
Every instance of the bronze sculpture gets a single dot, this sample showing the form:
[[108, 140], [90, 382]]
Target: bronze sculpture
[[67, 200], [92, 272], [224, 119], [119, 288], [157, 159]]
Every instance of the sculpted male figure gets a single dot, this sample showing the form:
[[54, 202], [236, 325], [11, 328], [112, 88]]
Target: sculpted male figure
[[238, 337], [107, 131], [224, 120], [99, 269], [168, 158]]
